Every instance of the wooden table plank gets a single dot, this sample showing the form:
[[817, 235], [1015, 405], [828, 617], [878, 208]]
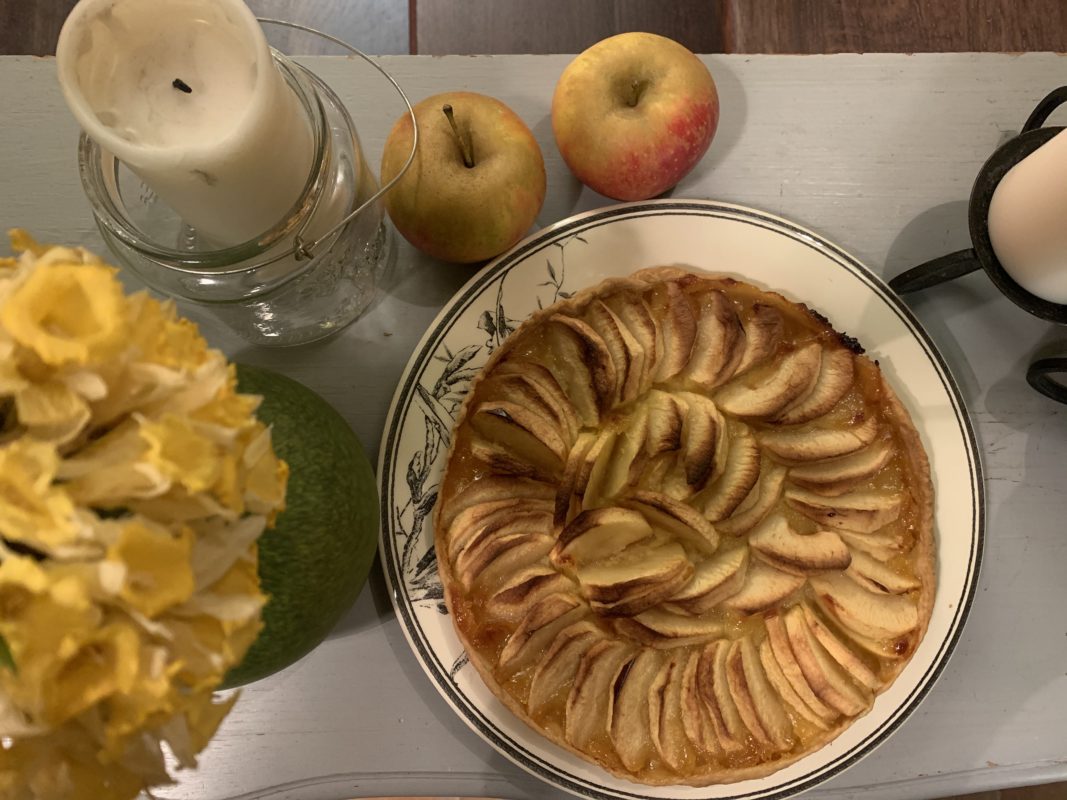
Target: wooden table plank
[[31, 28], [875, 152], [559, 26], [566, 26], [894, 26], [374, 26]]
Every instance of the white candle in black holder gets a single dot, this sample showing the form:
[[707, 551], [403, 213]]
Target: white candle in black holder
[[1020, 198], [1028, 221]]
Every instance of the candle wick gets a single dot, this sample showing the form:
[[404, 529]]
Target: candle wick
[[182, 86]]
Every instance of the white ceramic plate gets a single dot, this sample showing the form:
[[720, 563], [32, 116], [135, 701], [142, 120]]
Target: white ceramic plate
[[579, 252]]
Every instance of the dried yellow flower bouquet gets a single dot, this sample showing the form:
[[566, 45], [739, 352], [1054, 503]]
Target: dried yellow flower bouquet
[[134, 484]]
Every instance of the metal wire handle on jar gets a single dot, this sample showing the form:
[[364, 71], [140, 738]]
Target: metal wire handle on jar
[[305, 250]]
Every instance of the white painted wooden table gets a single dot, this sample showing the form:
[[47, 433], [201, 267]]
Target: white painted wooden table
[[877, 152]]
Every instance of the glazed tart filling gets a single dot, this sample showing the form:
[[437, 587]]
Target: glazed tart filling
[[685, 529]]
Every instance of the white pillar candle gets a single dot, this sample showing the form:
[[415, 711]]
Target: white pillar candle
[[186, 93], [1028, 221]]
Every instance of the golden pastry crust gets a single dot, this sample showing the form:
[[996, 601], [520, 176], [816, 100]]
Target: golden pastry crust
[[685, 529]]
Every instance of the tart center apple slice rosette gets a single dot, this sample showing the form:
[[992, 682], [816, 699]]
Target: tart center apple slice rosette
[[685, 528]]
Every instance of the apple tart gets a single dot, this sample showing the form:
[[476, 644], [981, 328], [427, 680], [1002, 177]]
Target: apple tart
[[685, 528]]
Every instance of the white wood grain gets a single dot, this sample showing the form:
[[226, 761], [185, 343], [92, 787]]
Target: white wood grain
[[877, 152]]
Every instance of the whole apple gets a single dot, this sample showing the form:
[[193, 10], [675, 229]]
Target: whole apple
[[633, 114], [477, 181]]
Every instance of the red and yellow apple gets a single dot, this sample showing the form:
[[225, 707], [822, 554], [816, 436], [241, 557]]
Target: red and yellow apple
[[633, 114], [476, 183]]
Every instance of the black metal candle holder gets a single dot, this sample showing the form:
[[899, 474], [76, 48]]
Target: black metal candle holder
[[1042, 374]]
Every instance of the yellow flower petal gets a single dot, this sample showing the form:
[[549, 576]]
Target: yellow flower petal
[[178, 505], [204, 717], [107, 662], [158, 572], [266, 478], [146, 590], [32, 510], [162, 337], [47, 622], [112, 471], [229, 409], [22, 241], [63, 767], [11, 379], [153, 697], [66, 312], [180, 453], [51, 411], [228, 486], [201, 647]]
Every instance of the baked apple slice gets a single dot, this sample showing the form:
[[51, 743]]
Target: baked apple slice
[[836, 374], [714, 579], [720, 341], [520, 591], [677, 330], [555, 672], [629, 722], [764, 330], [596, 535], [805, 444], [782, 650], [640, 579], [840, 652], [504, 522], [589, 701], [839, 475], [666, 418], [763, 588], [523, 390], [829, 682], [769, 391], [877, 576], [704, 443], [747, 672], [785, 549], [495, 488], [683, 522], [739, 474], [784, 689], [626, 351], [696, 720], [524, 544], [538, 629], [759, 502], [876, 616], [661, 629], [859, 512], [584, 366], [571, 483], [665, 713], [635, 314]]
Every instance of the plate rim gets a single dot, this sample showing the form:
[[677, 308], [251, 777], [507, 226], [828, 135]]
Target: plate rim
[[461, 704]]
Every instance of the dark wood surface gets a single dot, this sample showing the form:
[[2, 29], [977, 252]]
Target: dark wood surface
[[31, 27], [438, 27], [374, 26], [894, 26], [560, 26]]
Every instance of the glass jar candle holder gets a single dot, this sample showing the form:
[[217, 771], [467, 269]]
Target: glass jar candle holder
[[309, 276]]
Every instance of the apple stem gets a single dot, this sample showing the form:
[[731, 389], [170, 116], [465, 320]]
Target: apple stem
[[463, 141], [637, 88]]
